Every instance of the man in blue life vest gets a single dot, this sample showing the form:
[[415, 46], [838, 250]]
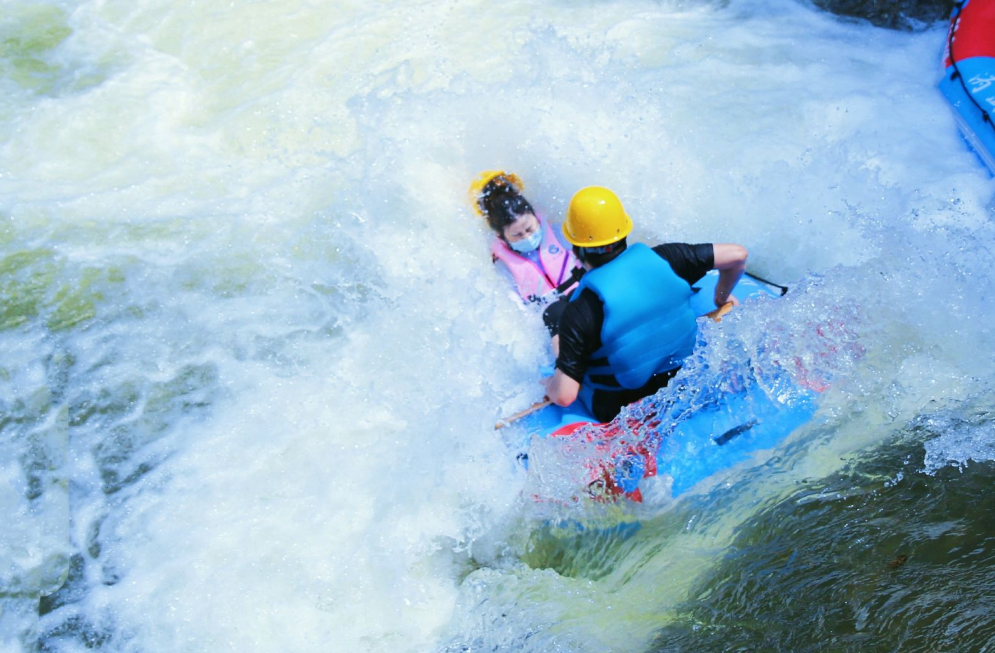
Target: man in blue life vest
[[629, 325]]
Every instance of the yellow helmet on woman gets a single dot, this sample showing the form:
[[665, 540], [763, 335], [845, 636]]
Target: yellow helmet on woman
[[499, 177], [596, 218]]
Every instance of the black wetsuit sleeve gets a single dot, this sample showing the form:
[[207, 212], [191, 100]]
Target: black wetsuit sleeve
[[552, 314], [580, 334], [689, 262]]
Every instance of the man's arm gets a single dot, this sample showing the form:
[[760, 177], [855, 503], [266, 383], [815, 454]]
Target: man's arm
[[579, 336], [730, 261], [561, 389]]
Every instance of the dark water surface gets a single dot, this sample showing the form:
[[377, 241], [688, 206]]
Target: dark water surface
[[857, 562]]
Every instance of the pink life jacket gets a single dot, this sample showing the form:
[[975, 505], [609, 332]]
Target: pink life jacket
[[534, 281]]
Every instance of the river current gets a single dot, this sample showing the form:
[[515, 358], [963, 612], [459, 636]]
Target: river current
[[254, 346]]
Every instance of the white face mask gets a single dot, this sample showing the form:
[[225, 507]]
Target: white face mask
[[529, 243]]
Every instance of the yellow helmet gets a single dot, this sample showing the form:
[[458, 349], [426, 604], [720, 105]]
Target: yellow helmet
[[498, 176], [596, 218]]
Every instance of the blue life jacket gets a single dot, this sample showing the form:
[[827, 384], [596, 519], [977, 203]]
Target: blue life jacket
[[649, 324]]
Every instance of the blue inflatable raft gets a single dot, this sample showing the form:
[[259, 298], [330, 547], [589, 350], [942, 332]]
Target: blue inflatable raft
[[687, 443], [968, 80]]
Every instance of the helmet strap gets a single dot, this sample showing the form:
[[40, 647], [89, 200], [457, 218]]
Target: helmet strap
[[600, 255]]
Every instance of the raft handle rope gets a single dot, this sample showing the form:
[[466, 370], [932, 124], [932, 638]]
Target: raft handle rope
[[956, 75]]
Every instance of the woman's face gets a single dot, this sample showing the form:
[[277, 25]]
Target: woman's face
[[524, 226]]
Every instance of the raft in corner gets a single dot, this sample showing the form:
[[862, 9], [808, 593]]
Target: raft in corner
[[968, 81]]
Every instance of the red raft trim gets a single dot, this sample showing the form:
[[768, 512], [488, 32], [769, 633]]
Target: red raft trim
[[973, 32]]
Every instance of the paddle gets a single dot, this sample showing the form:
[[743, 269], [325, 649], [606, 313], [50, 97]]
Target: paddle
[[725, 308], [508, 421], [783, 289], [717, 314]]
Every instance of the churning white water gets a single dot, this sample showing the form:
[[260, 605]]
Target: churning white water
[[254, 346]]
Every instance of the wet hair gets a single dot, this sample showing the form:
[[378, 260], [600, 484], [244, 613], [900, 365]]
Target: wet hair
[[598, 256], [502, 204]]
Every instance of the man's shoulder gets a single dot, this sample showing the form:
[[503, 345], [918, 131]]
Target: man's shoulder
[[583, 303], [677, 249], [690, 262], [583, 312]]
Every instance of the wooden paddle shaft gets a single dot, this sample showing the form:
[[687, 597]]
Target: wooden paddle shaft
[[507, 421]]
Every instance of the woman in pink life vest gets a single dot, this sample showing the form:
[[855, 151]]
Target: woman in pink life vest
[[544, 271]]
